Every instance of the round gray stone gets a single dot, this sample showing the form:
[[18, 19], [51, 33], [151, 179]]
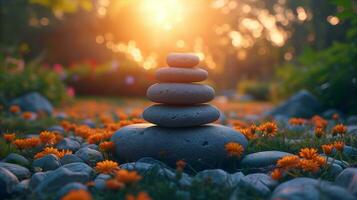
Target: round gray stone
[[48, 162], [202, 147], [89, 156], [8, 182], [19, 171], [68, 144], [262, 159], [16, 159], [181, 75], [182, 60], [178, 116], [180, 93]]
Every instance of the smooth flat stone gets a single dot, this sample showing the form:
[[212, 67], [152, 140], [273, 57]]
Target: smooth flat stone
[[182, 60], [202, 147], [181, 75], [178, 116], [180, 93]]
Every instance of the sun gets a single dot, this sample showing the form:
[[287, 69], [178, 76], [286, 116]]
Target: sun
[[163, 14]]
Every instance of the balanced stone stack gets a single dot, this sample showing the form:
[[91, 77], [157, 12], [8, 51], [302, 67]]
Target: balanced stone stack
[[179, 128]]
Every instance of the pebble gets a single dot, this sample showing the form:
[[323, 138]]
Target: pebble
[[180, 93], [19, 171], [182, 60], [181, 75], [178, 116]]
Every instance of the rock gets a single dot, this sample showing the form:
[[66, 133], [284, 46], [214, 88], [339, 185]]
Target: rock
[[352, 130], [70, 158], [90, 123], [16, 159], [202, 147], [79, 167], [70, 187], [181, 75], [47, 162], [33, 102], [309, 189], [37, 178], [22, 187], [180, 93], [302, 104], [261, 178], [328, 114], [349, 151], [100, 181], [152, 161], [352, 120], [259, 183], [178, 116], [335, 170], [57, 129], [262, 159], [91, 146], [8, 182], [57, 179], [89, 156], [182, 60], [219, 177], [19, 171], [68, 144], [348, 179]]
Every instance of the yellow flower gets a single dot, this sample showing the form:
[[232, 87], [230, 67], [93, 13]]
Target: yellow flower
[[234, 149], [127, 177], [9, 137], [288, 162], [309, 165], [107, 146], [106, 167], [339, 129], [77, 195], [48, 137], [268, 129], [276, 174], [308, 153], [327, 148]]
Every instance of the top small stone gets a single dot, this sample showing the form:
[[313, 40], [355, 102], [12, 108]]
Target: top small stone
[[185, 60]]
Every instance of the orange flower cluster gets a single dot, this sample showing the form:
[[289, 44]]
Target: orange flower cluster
[[268, 129], [123, 177], [319, 132], [77, 195], [9, 137], [234, 149], [140, 196], [339, 145], [328, 148], [68, 126], [238, 124], [54, 151], [339, 129], [106, 167], [106, 146], [297, 121], [15, 109], [48, 137], [318, 121], [250, 132], [27, 115], [26, 143], [308, 160]]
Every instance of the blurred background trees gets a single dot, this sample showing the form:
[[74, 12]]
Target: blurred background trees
[[268, 49]]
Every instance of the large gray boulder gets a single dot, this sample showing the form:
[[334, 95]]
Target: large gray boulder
[[348, 179], [8, 182], [262, 159], [202, 147], [33, 102], [302, 104]]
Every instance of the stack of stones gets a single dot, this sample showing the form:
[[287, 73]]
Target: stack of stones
[[179, 128]]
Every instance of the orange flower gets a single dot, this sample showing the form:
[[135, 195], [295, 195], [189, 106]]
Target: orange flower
[[15, 109], [106, 167], [27, 115], [276, 174], [309, 165], [180, 165], [107, 146], [339, 145], [237, 123], [268, 129], [59, 138], [127, 177], [9, 137], [339, 129], [77, 195], [114, 184], [288, 162], [249, 133], [140, 196], [68, 126], [54, 151], [26, 143], [327, 148], [297, 121], [48, 137], [95, 138], [319, 121], [83, 131], [308, 153], [234, 149], [335, 116], [319, 132], [321, 161]]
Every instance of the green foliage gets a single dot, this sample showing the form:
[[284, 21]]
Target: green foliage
[[330, 74], [17, 79]]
